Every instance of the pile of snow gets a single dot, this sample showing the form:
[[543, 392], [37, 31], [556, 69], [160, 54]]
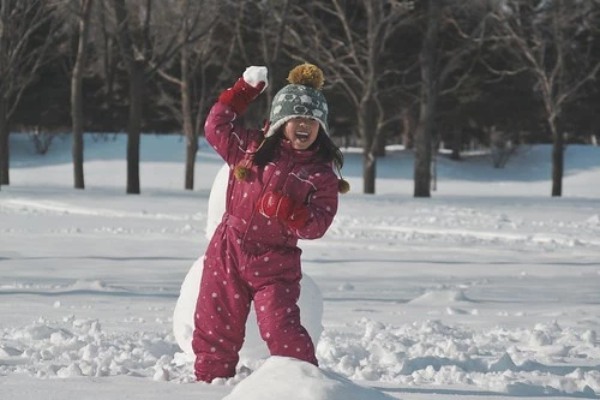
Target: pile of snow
[[523, 362], [441, 297], [542, 360], [286, 378], [77, 347]]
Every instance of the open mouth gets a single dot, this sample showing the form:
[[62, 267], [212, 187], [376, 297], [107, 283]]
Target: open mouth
[[302, 136]]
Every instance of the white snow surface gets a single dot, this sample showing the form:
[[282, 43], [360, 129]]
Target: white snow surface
[[490, 289]]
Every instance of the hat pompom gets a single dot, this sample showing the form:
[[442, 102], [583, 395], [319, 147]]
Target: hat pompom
[[308, 75], [343, 186], [240, 172]]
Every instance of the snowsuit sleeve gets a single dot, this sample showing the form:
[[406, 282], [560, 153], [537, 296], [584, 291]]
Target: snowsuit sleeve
[[226, 135], [322, 206]]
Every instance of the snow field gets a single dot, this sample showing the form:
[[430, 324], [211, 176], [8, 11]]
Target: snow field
[[487, 290]]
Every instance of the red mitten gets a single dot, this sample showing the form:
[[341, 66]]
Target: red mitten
[[246, 89], [275, 204], [298, 217]]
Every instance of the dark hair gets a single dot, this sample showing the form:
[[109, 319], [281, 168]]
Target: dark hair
[[326, 149]]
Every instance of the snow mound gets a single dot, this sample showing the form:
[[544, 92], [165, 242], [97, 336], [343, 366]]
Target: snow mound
[[287, 378], [544, 359], [80, 347], [216, 200], [594, 220], [440, 297]]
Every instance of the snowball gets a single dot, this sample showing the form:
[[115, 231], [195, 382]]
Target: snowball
[[256, 74]]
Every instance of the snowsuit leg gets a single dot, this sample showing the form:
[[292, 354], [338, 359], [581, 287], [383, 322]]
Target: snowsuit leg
[[235, 273], [275, 277], [221, 309]]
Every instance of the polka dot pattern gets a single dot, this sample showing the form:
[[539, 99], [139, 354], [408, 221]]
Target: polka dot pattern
[[253, 259]]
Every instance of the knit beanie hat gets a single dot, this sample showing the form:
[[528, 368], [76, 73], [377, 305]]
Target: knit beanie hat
[[301, 98]]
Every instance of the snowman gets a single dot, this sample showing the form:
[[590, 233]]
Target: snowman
[[254, 349]]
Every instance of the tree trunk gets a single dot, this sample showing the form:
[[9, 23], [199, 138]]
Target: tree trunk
[[457, 138], [135, 72], [558, 153], [109, 60], [134, 128], [4, 146], [369, 171], [422, 168], [77, 95], [429, 94], [380, 146], [188, 124], [368, 133], [407, 128]]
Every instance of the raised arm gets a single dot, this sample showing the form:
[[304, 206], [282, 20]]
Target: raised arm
[[227, 136]]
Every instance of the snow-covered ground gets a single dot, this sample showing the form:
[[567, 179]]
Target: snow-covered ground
[[489, 289]]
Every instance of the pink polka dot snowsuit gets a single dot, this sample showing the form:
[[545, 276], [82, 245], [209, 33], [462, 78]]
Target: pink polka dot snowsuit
[[254, 258]]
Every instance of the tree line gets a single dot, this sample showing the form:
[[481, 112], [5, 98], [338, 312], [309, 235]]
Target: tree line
[[423, 72]]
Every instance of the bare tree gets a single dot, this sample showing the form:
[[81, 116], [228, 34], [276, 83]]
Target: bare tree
[[203, 49], [27, 29], [198, 48], [189, 129], [149, 37], [271, 19], [428, 59], [349, 40], [135, 71], [552, 41], [106, 45], [77, 117], [444, 69]]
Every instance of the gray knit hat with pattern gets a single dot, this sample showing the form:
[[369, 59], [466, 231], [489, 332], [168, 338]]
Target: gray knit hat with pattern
[[301, 98]]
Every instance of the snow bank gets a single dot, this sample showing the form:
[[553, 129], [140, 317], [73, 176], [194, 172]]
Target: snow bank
[[547, 359], [489, 289], [77, 347], [543, 360], [286, 378]]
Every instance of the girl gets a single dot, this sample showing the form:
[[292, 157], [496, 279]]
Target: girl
[[282, 187]]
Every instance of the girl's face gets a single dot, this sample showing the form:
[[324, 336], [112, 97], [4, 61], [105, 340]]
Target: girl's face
[[301, 132]]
